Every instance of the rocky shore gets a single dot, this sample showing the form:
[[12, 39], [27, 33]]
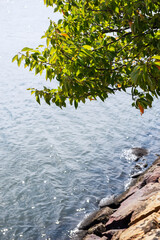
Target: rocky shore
[[133, 215]]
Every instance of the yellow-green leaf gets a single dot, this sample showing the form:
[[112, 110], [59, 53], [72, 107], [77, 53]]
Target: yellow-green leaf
[[14, 58], [26, 49], [88, 47], [156, 57]]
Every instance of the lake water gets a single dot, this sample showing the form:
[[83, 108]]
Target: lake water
[[55, 165]]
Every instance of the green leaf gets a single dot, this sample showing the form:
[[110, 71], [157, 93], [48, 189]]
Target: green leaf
[[87, 47], [60, 21], [97, 46], [38, 99], [15, 58], [26, 49], [157, 63], [19, 61], [135, 74], [156, 57], [47, 42], [75, 104]]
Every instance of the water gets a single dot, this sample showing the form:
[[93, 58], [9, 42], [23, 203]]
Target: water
[[56, 165]]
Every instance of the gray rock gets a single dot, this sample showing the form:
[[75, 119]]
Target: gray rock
[[109, 200], [79, 235], [139, 152], [101, 215], [137, 174]]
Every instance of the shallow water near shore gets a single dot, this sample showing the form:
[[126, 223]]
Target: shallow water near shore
[[56, 165]]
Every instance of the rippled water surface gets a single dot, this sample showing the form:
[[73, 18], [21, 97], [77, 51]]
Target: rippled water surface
[[55, 165]]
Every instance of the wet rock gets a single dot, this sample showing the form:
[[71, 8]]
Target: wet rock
[[138, 167], [139, 152], [145, 165], [108, 201], [97, 229], [137, 174], [79, 235], [101, 215]]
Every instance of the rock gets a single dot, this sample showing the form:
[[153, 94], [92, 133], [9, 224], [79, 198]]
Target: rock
[[92, 237], [146, 207], [101, 215], [135, 175], [95, 237], [139, 152], [138, 167], [145, 165], [110, 233], [108, 201], [78, 235], [137, 216], [137, 199], [147, 228], [97, 229], [122, 216]]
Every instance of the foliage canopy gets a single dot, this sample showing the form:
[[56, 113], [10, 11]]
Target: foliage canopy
[[97, 48]]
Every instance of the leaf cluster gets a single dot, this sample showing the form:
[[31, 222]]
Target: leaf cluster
[[97, 48]]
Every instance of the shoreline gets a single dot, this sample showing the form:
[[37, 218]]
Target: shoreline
[[134, 214]]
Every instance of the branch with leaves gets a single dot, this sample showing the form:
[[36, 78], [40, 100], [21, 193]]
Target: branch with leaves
[[98, 48]]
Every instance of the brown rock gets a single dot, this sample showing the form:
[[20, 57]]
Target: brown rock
[[132, 205], [110, 233], [146, 208], [92, 237], [153, 177], [148, 228], [97, 229]]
